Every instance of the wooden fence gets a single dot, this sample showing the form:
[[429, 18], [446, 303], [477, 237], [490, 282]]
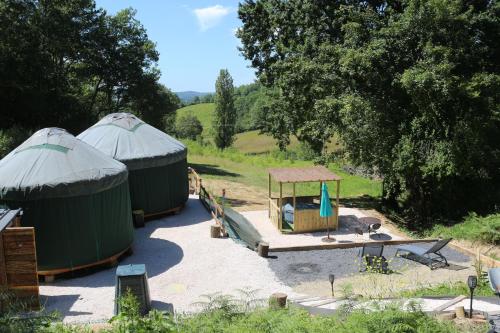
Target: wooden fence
[[206, 198], [18, 265]]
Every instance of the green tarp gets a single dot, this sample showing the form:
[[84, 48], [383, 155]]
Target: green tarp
[[76, 198], [156, 162]]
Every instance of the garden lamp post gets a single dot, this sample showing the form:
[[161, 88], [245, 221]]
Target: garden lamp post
[[472, 283], [331, 277]]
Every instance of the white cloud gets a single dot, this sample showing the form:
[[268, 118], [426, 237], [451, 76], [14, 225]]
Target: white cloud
[[209, 17]]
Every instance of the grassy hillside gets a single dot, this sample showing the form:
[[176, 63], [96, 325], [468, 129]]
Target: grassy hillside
[[204, 112], [249, 142]]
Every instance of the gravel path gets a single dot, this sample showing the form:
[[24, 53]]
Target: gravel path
[[183, 263]]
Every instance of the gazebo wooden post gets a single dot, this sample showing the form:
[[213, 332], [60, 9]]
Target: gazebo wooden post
[[280, 219], [269, 197], [294, 201], [337, 208]]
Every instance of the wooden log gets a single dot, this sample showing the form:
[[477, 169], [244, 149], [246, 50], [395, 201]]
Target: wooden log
[[277, 300], [138, 218], [263, 249], [460, 312], [215, 231]]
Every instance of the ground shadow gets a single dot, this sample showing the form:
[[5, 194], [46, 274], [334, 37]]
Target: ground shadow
[[213, 170], [380, 237], [240, 202], [363, 202], [63, 303], [158, 255], [435, 263]]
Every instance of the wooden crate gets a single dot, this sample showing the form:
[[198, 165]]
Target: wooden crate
[[18, 266]]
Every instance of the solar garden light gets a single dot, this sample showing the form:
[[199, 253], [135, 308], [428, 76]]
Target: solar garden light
[[472, 283], [331, 277]]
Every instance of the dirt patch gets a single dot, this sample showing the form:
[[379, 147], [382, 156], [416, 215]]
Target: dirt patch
[[239, 196]]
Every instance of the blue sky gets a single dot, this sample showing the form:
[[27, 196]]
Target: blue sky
[[195, 40]]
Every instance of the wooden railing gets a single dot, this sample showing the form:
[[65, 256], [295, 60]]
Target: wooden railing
[[208, 200], [274, 213]]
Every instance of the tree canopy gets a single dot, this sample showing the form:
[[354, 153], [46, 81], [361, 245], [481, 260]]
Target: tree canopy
[[67, 63], [412, 87], [224, 122]]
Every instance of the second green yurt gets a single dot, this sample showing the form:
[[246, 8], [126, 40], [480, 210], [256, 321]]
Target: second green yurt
[[157, 163], [76, 198]]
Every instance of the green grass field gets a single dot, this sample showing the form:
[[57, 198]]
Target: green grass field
[[236, 166]]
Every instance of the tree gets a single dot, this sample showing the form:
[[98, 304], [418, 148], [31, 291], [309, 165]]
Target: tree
[[67, 63], [225, 114], [188, 127], [412, 88], [155, 104]]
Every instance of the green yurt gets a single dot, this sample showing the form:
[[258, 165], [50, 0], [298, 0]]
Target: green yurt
[[76, 197], [156, 162]]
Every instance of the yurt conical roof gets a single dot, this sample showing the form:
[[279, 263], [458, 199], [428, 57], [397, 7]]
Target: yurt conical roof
[[133, 142], [53, 163]]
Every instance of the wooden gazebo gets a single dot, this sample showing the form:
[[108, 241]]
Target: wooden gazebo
[[302, 212]]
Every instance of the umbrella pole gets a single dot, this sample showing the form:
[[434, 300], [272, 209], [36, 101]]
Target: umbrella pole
[[327, 227]]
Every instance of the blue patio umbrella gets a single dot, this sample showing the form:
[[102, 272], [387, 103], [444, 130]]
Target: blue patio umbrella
[[325, 209]]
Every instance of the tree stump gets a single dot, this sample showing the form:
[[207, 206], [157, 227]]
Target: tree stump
[[263, 249], [277, 300], [215, 231], [460, 312]]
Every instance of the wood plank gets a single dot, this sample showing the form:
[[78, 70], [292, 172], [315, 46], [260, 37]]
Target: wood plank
[[325, 302], [310, 299], [3, 274], [328, 246], [449, 303]]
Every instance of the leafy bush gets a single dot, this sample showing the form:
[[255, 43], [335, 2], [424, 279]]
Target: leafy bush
[[11, 138], [129, 319], [188, 127], [223, 313], [474, 228], [449, 289]]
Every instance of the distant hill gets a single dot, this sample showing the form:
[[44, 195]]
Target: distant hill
[[188, 96]]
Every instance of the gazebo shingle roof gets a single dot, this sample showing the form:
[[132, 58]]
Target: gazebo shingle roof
[[297, 175]]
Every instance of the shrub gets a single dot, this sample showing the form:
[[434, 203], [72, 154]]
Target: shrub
[[474, 228], [188, 127]]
